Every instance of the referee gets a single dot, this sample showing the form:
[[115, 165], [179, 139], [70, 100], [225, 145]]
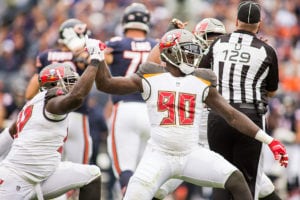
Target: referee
[[247, 71]]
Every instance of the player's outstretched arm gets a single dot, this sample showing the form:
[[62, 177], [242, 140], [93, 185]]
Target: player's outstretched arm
[[65, 103], [245, 125], [116, 85]]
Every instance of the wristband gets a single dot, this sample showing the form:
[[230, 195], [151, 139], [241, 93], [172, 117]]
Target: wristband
[[263, 137]]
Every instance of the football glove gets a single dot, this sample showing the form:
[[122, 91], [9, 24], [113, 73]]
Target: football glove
[[72, 40], [279, 152], [95, 48]]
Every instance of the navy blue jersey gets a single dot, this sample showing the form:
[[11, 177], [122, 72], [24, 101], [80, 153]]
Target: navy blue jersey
[[55, 55], [128, 54]]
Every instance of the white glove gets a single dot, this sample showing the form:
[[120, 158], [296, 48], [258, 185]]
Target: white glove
[[72, 40], [95, 48]]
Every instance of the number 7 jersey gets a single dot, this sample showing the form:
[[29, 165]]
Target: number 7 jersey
[[175, 105]]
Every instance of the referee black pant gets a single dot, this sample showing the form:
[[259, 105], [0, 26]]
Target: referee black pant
[[241, 150]]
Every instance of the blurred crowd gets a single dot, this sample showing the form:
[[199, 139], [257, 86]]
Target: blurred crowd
[[31, 26]]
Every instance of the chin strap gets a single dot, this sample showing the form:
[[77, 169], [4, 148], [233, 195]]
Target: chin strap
[[186, 69]]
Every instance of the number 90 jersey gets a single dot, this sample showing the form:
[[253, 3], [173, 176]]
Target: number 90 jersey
[[128, 54], [174, 106]]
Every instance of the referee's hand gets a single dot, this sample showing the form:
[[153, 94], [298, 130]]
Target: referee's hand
[[279, 152]]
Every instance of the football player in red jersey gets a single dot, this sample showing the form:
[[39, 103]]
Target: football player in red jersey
[[175, 96], [33, 167]]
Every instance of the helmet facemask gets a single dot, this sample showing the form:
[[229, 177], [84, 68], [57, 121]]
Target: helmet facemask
[[68, 80]]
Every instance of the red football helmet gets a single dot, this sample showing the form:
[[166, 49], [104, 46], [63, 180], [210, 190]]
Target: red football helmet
[[57, 75]]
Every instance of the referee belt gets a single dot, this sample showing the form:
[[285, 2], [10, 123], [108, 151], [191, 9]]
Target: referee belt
[[243, 105]]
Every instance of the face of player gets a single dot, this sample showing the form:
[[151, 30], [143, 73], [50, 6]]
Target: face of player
[[191, 53]]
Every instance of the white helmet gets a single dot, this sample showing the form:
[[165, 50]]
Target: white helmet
[[79, 27]]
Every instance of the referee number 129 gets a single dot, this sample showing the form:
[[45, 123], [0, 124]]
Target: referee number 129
[[236, 56]]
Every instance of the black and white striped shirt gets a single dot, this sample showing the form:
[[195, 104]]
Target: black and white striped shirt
[[246, 67]]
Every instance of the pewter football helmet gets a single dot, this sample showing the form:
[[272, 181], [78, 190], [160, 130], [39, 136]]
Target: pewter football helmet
[[57, 75], [208, 27], [180, 48]]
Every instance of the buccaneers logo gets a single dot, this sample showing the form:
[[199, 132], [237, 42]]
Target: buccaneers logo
[[169, 40]]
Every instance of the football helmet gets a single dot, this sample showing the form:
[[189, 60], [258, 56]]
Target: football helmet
[[136, 16], [208, 27], [57, 75], [80, 28], [180, 48]]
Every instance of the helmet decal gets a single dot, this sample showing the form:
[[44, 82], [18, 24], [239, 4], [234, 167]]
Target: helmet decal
[[203, 27], [169, 40]]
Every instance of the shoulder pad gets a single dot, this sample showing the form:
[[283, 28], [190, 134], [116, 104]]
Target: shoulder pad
[[150, 68], [207, 75]]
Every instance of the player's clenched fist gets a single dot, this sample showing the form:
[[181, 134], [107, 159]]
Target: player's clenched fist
[[279, 152]]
